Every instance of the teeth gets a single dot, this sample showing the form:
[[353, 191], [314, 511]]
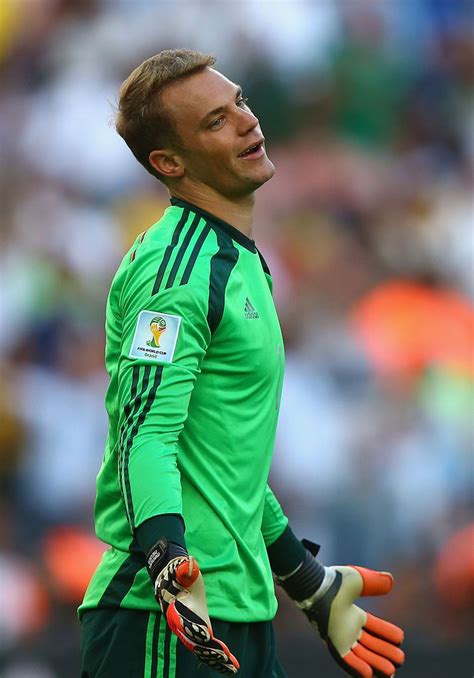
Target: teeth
[[250, 150]]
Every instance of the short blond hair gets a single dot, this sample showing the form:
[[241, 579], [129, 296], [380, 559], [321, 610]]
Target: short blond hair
[[141, 119]]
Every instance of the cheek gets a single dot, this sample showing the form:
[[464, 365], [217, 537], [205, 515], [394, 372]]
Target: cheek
[[199, 160], [219, 148], [212, 157], [215, 163], [221, 152]]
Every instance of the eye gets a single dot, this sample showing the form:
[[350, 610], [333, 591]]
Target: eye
[[217, 123]]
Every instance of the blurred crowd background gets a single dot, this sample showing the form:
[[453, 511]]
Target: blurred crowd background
[[367, 107]]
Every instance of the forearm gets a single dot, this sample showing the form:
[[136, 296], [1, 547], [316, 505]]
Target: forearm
[[168, 526], [152, 495], [286, 553], [151, 481], [292, 561]]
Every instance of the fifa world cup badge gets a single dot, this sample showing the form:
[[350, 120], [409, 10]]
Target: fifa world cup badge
[[155, 336]]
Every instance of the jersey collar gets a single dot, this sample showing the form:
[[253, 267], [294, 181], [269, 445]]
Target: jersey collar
[[233, 232]]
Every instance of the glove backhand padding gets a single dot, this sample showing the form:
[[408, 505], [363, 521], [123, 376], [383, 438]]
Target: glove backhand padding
[[180, 592]]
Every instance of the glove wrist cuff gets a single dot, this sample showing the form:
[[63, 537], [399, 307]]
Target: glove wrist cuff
[[327, 582], [305, 581], [161, 554]]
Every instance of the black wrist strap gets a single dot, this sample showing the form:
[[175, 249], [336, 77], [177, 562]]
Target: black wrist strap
[[286, 553], [160, 555], [311, 546], [307, 579]]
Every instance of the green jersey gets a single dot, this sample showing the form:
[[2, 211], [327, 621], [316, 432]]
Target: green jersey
[[195, 357]]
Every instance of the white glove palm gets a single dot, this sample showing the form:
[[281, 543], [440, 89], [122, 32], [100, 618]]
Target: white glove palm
[[362, 644]]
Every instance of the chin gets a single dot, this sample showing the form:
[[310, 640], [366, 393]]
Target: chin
[[263, 175], [244, 185], [270, 171]]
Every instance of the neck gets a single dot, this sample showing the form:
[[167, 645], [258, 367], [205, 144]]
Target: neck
[[235, 211]]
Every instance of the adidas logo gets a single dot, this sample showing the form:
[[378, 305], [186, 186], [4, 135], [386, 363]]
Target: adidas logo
[[250, 312]]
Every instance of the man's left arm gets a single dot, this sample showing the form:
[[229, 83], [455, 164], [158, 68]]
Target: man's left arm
[[362, 644]]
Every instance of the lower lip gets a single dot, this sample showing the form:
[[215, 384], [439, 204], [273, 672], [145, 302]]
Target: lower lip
[[254, 156]]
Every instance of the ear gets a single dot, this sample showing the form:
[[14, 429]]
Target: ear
[[167, 162]]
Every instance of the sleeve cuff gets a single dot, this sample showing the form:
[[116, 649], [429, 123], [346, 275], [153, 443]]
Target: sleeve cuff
[[168, 525], [286, 553]]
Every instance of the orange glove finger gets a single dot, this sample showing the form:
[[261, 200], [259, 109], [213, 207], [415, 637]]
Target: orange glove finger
[[359, 665], [391, 652], [384, 629], [375, 660], [187, 572], [375, 583]]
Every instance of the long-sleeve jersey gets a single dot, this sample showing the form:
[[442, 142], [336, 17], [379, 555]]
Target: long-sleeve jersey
[[195, 357]]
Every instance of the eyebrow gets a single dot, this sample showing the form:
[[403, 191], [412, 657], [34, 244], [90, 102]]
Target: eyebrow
[[219, 109]]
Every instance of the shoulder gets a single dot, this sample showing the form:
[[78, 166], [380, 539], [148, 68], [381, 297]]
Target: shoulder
[[172, 259]]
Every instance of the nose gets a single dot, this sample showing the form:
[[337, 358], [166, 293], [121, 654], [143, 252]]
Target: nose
[[248, 122]]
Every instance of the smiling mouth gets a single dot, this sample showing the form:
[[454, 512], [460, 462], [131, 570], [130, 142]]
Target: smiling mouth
[[253, 150]]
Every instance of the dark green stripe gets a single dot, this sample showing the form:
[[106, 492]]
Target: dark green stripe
[[121, 583], [166, 659], [264, 263], [128, 407], [222, 264], [194, 254], [169, 250], [127, 421], [182, 250], [154, 649], [138, 423], [125, 447]]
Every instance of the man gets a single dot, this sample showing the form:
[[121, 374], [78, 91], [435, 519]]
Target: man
[[182, 494]]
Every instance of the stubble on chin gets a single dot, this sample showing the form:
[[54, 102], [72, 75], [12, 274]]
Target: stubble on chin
[[266, 174], [271, 168]]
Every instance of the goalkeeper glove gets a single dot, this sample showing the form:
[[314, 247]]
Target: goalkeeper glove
[[179, 590], [362, 644]]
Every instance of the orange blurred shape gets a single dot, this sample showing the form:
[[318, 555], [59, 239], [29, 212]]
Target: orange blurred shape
[[407, 326], [454, 570], [71, 555]]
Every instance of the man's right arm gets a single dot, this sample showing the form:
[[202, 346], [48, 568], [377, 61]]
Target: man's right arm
[[165, 337], [155, 386]]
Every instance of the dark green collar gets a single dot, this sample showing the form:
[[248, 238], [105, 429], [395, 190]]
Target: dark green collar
[[233, 232]]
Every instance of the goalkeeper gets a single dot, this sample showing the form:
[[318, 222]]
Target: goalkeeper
[[195, 358]]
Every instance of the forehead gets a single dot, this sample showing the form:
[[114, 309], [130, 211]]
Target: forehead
[[189, 100]]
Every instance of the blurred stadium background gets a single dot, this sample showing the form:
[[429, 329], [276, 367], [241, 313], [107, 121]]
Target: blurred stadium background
[[367, 107]]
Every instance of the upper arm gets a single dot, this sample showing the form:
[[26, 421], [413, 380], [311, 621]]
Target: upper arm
[[165, 335]]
